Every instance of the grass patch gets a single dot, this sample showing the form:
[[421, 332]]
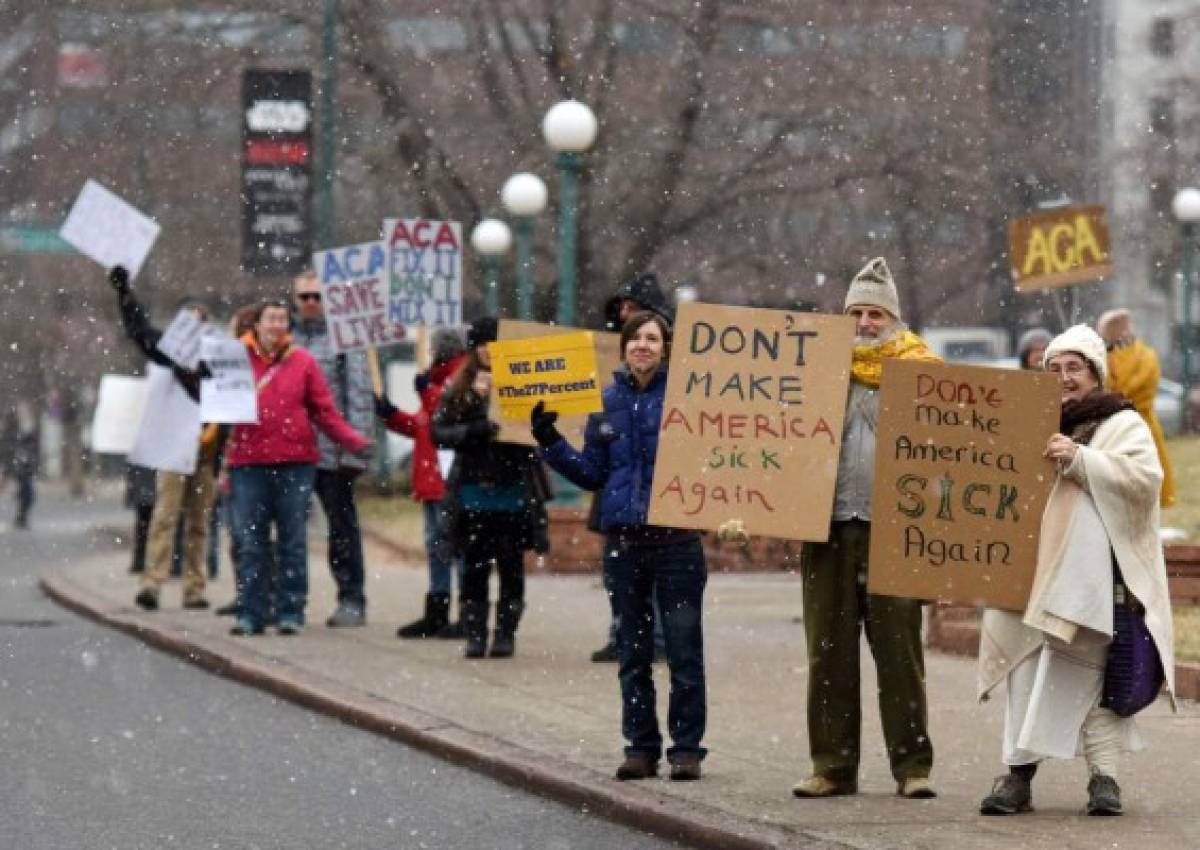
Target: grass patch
[[398, 516], [1185, 460], [1187, 633]]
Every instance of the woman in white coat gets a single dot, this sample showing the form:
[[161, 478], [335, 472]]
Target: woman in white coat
[[1099, 537]]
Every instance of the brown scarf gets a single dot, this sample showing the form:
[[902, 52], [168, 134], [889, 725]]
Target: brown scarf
[[1081, 419]]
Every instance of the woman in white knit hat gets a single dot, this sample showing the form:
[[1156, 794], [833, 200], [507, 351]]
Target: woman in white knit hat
[[1098, 545]]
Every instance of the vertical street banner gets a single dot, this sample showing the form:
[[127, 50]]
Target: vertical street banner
[[424, 271], [570, 425], [354, 288], [557, 370], [276, 171], [752, 421], [960, 482]]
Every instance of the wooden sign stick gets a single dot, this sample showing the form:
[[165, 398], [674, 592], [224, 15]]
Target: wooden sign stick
[[376, 374]]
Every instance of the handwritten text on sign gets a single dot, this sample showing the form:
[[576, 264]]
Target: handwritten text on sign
[[424, 271], [559, 370], [960, 481], [752, 422], [354, 288]]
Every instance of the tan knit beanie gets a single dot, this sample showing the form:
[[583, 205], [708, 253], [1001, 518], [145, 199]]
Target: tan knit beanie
[[874, 286]]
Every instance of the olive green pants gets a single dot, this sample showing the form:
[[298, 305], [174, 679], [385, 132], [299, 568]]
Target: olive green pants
[[836, 607]]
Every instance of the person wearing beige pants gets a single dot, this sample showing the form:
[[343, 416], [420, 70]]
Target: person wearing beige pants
[[192, 495]]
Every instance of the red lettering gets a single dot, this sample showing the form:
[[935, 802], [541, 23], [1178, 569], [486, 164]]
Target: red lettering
[[419, 230], [401, 234], [925, 385], [822, 427], [675, 417], [735, 426], [762, 423], [445, 236]]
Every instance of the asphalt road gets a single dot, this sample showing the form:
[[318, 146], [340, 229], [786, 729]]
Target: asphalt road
[[107, 743]]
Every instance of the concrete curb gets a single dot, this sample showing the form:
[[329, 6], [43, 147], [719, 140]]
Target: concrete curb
[[624, 803]]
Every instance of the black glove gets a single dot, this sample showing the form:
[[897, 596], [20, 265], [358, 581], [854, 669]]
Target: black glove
[[541, 423], [421, 382], [118, 276], [384, 409]]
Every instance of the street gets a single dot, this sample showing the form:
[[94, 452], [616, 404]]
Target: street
[[109, 743]]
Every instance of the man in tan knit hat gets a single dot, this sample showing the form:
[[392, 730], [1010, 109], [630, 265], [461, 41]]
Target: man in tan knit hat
[[836, 603]]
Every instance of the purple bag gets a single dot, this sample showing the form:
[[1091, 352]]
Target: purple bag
[[1133, 674]]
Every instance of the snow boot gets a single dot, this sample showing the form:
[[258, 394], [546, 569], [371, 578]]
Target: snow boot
[[437, 610]]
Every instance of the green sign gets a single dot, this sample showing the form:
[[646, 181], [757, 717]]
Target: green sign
[[32, 239]]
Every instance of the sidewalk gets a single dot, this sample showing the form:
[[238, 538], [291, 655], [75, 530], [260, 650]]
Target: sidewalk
[[549, 720]]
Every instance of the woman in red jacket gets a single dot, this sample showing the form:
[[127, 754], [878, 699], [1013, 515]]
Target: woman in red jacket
[[428, 487], [272, 464]]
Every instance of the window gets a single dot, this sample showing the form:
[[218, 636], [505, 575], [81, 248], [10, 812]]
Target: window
[[1162, 37]]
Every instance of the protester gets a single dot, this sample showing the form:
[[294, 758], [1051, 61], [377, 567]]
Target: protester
[[837, 606], [498, 499], [176, 494], [1098, 545], [1031, 346], [21, 448], [1133, 371], [350, 382], [642, 561], [272, 466], [641, 292], [428, 487]]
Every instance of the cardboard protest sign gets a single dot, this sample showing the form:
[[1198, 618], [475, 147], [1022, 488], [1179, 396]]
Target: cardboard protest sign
[[960, 481], [752, 421], [169, 435], [570, 425], [354, 287], [120, 407], [559, 370], [424, 271], [228, 395], [106, 229], [1059, 247], [181, 339]]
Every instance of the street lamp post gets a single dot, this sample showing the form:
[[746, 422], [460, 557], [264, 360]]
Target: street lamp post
[[1186, 206], [570, 129], [491, 239], [524, 196]]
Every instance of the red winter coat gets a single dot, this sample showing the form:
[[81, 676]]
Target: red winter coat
[[292, 398], [427, 483]]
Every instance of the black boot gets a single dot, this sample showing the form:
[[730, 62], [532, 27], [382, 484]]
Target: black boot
[[437, 611], [508, 615], [456, 630], [476, 616]]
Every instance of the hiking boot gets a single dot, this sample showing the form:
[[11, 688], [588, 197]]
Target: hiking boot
[[196, 603], [147, 598], [606, 654], [1104, 796], [476, 647], [503, 645], [437, 612], [345, 615], [820, 786], [637, 766], [915, 788], [1011, 795], [476, 615], [685, 767]]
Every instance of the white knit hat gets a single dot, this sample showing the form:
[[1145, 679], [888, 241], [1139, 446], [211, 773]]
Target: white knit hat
[[1083, 341], [874, 286]]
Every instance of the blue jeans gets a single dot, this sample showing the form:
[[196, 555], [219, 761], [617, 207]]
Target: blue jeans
[[440, 568], [335, 491], [634, 575], [263, 495]]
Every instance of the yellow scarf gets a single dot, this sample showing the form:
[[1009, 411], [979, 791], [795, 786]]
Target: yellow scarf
[[1134, 372], [867, 366]]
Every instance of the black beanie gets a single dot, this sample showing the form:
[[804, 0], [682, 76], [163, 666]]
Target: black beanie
[[482, 331]]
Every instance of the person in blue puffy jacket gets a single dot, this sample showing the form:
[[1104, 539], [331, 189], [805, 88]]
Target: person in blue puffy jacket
[[617, 462]]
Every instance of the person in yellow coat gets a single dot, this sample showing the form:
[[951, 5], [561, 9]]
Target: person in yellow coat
[[1134, 372]]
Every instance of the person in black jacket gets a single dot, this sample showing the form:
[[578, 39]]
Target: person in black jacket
[[497, 499], [192, 495]]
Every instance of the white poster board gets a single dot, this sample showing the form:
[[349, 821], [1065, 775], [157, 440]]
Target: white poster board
[[169, 436], [424, 271], [108, 230], [181, 340], [354, 288], [120, 407], [228, 395]]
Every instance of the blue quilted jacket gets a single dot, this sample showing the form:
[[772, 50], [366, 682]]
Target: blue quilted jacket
[[619, 448]]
